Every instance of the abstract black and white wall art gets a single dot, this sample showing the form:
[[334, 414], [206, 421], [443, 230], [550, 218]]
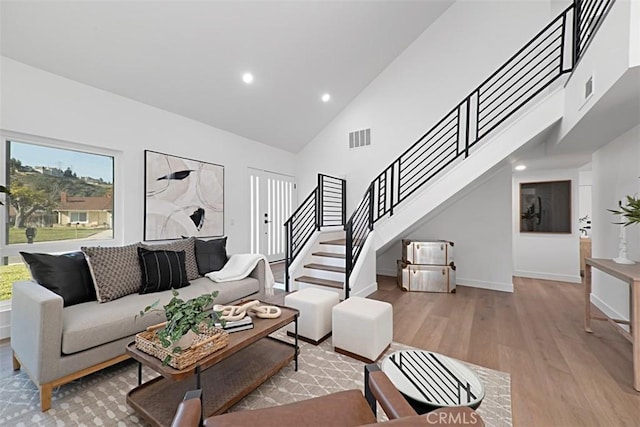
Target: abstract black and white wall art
[[183, 197]]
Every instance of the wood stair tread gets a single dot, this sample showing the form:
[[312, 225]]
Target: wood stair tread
[[333, 268], [321, 282], [337, 242], [343, 242], [329, 255]]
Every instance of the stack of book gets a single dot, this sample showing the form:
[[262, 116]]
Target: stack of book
[[237, 325]]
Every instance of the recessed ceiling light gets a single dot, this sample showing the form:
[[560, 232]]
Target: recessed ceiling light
[[520, 167], [247, 78], [326, 97]]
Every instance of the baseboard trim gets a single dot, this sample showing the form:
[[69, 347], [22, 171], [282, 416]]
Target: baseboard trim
[[387, 272], [607, 309], [366, 291], [482, 284], [472, 283], [549, 276]]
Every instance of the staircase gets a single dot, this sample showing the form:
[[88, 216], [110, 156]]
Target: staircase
[[328, 267], [552, 53]]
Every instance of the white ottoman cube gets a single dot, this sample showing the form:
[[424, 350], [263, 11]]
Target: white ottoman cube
[[362, 328], [314, 323]]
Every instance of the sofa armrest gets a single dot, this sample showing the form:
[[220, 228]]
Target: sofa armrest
[[189, 410], [380, 389], [36, 329]]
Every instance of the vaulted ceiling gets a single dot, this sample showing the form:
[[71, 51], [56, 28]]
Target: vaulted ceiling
[[188, 57]]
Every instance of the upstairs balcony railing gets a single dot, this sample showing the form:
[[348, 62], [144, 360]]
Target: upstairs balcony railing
[[553, 52], [325, 206]]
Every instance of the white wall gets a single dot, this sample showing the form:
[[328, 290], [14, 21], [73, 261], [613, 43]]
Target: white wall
[[634, 34], [479, 224], [455, 54], [549, 256], [606, 60], [616, 168], [39, 103]]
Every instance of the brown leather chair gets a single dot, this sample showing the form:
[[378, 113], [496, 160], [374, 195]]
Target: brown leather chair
[[345, 408]]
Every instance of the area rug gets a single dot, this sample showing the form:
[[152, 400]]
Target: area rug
[[100, 399]]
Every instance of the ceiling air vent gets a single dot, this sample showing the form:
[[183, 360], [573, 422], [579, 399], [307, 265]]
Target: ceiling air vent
[[360, 138]]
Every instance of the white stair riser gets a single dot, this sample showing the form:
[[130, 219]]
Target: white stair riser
[[322, 274], [334, 249], [303, 285], [335, 262]]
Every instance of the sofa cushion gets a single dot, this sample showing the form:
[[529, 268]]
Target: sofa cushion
[[211, 255], [67, 275], [188, 246], [115, 270], [162, 270], [91, 324]]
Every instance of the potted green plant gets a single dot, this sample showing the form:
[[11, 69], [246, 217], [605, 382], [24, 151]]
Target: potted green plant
[[184, 320], [630, 212]]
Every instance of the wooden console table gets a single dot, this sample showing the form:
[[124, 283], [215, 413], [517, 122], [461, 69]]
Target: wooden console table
[[629, 273]]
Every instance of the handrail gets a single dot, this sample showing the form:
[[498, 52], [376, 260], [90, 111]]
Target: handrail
[[324, 206], [551, 53]]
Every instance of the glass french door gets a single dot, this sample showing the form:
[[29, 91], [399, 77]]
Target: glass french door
[[273, 199]]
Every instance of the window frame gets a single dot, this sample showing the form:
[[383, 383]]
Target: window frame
[[61, 246]]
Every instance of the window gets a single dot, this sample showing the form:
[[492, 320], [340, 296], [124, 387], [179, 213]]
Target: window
[[78, 217], [55, 190], [61, 194]]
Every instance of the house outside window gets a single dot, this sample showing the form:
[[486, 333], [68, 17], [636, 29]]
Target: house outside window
[[62, 197], [78, 217]]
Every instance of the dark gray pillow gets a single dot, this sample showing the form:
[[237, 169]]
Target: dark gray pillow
[[211, 255], [162, 270], [66, 275]]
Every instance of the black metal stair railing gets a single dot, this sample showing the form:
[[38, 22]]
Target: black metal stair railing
[[324, 206], [553, 52], [587, 18]]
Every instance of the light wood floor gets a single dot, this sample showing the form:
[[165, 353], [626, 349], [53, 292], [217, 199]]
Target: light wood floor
[[560, 376]]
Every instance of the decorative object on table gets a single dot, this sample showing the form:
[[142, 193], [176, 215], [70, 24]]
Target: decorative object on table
[[545, 207], [585, 225], [630, 214], [427, 266], [237, 325], [183, 197], [236, 312], [188, 319]]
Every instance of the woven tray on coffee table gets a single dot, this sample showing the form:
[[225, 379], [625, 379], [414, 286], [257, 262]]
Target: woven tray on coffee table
[[209, 340]]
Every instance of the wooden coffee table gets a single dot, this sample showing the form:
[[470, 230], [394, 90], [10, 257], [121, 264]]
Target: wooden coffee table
[[225, 376]]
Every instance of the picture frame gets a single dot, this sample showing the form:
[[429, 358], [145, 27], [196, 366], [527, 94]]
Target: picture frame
[[183, 197], [545, 207]]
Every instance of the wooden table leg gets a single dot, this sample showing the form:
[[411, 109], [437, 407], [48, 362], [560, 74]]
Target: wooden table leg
[[587, 298], [635, 332]]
